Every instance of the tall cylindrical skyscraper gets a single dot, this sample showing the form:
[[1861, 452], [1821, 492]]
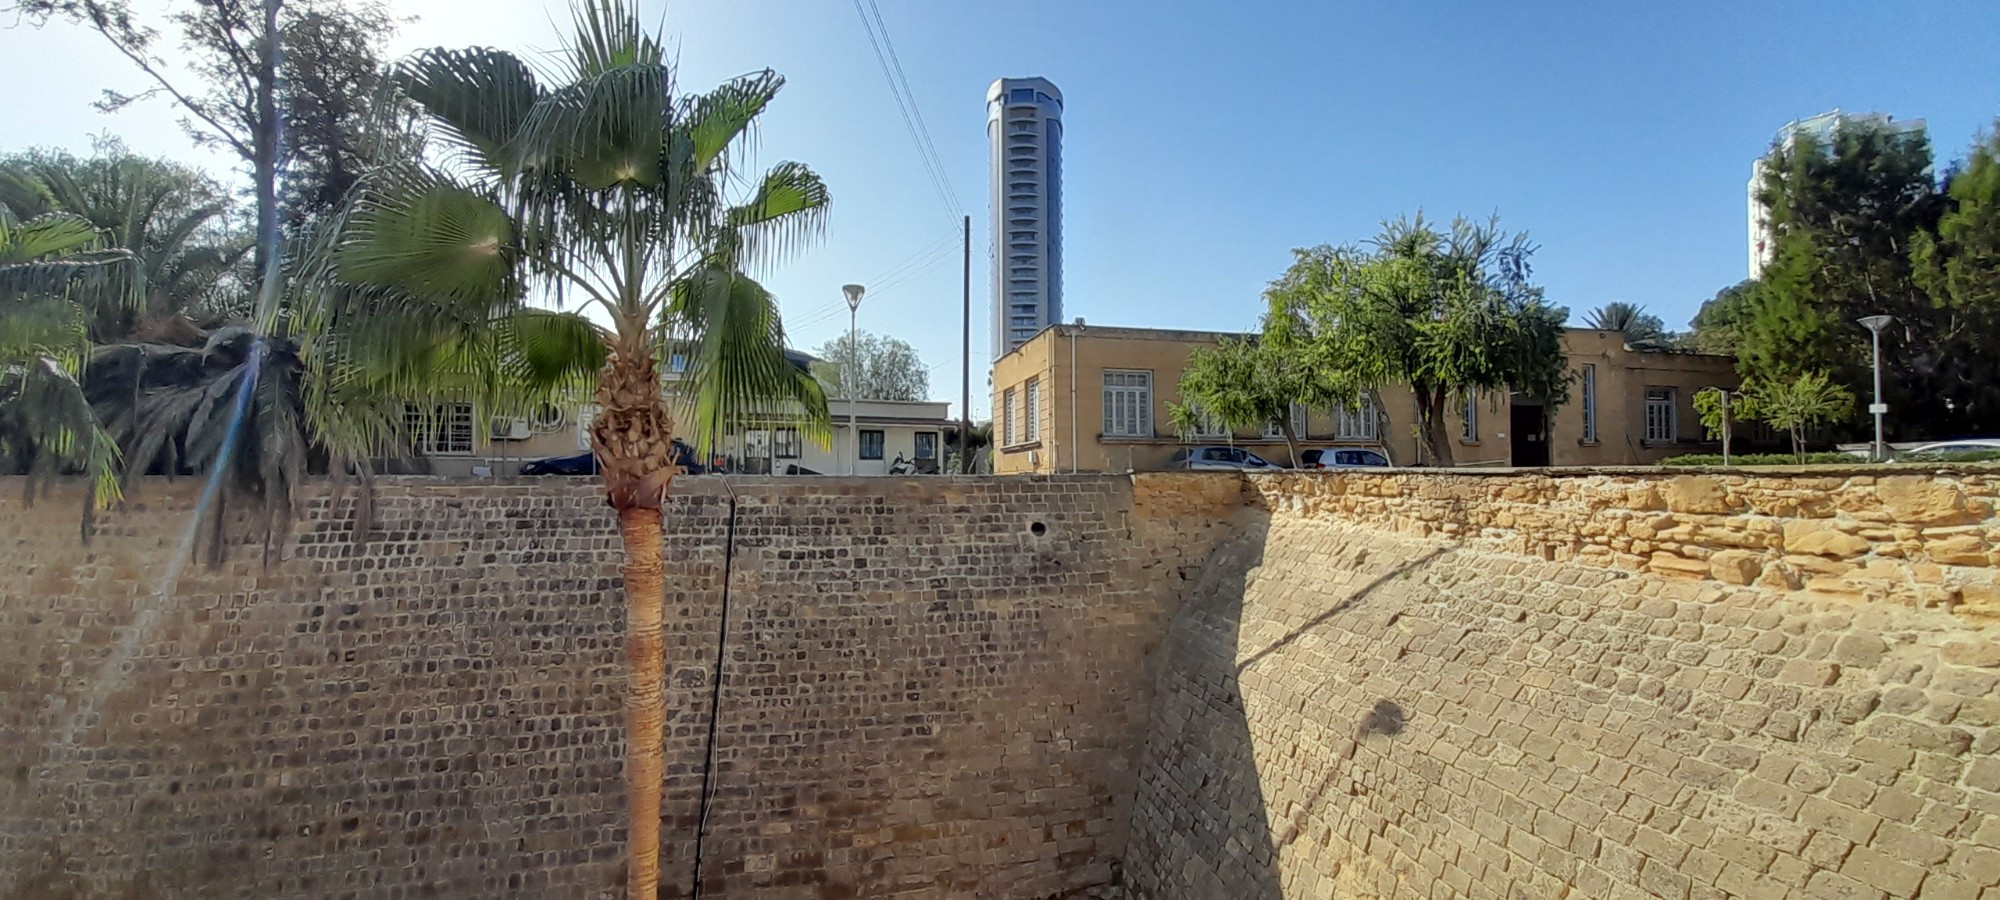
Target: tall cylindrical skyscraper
[[1024, 126]]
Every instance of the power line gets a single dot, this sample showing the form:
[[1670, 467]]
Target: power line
[[913, 123], [922, 128]]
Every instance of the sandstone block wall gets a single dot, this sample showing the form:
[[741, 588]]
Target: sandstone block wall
[[1922, 538], [933, 688], [1451, 685]]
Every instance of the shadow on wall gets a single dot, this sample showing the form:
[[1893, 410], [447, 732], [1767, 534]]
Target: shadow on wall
[[1206, 825]]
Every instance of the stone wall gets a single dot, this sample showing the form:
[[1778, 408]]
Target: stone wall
[[932, 688], [1605, 684], [1925, 538], [1447, 685]]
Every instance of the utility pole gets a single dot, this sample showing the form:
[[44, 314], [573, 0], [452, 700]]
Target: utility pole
[[965, 362]]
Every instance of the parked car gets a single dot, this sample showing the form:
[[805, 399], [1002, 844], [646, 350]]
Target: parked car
[[1944, 450], [586, 463], [1219, 458], [1341, 458]]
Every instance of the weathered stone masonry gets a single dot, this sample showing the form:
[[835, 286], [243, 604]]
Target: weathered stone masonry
[[1180, 686], [932, 689], [1461, 685]]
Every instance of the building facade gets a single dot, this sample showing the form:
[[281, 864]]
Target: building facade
[[1096, 399], [453, 438], [1821, 129], [1025, 128]]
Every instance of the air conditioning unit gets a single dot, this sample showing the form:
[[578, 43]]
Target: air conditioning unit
[[509, 428]]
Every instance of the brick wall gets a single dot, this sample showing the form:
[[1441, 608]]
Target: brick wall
[[1432, 685], [933, 688]]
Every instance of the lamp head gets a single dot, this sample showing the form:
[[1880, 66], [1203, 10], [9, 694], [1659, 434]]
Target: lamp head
[[1876, 323], [853, 292]]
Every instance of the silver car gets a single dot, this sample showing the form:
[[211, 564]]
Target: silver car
[[1341, 458], [1219, 458]]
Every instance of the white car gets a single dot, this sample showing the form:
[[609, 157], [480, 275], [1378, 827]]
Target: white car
[[1342, 458], [1219, 458], [1941, 448]]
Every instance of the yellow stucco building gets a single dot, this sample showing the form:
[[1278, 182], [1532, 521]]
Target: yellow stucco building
[[1095, 399]]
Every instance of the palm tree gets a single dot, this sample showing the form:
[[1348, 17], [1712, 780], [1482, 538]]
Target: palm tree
[[52, 269], [177, 224], [598, 183], [1640, 327]]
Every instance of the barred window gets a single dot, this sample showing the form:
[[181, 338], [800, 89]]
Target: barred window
[[1128, 403]]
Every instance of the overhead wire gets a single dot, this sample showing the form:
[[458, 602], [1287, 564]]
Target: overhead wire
[[905, 104]]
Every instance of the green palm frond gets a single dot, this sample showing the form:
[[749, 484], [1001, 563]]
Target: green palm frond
[[479, 97], [739, 370], [718, 120], [787, 213], [438, 242], [47, 429], [608, 37]]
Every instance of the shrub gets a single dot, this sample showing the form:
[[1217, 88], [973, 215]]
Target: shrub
[[1765, 459]]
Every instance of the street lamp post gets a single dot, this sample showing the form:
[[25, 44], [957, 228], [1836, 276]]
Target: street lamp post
[[853, 292], [1878, 409]]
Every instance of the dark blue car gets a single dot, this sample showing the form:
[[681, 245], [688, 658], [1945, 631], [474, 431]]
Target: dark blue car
[[586, 463]]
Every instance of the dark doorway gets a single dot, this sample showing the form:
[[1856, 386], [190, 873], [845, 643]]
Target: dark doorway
[[1529, 436]]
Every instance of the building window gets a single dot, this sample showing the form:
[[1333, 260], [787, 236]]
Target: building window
[[1021, 95], [1207, 425], [1355, 424], [1007, 418], [1661, 420], [927, 443], [1468, 408], [677, 363], [1589, 380], [785, 443], [871, 443], [1128, 403], [1031, 420], [440, 429]]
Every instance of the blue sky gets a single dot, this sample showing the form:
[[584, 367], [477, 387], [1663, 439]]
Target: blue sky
[[1204, 141]]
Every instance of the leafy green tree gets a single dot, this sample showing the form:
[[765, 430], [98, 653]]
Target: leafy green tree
[[590, 178], [1447, 313], [1720, 409], [52, 270], [1959, 269], [1641, 328], [885, 368], [1845, 214], [292, 118], [1793, 405], [1244, 383], [1719, 322], [179, 225]]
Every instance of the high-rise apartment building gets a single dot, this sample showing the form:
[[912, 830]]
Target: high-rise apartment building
[[1821, 129], [1024, 125]]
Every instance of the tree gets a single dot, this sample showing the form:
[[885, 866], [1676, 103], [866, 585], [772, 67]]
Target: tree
[[52, 270], [885, 368], [1845, 213], [605, 185], [1720, 409], [179, 225], [1795, 404], [1959, 269], [1247, 383], [1446, 313], [294, 118], [1641, 328], [1719, 322]]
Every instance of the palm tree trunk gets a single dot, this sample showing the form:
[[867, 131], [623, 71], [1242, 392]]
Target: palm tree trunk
[[645, 698], [633, 437]]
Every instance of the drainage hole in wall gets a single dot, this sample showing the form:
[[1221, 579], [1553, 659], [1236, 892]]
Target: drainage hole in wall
[[1039, 529]]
